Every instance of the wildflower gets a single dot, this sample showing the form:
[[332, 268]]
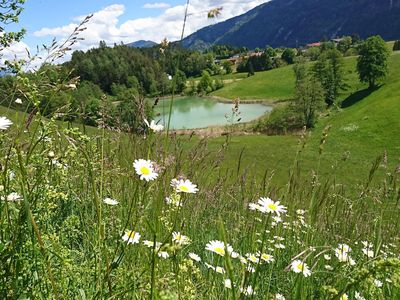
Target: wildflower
[[300, 267], [18, 101], [254, 206], [219, 270], [110, 201], [358, 296], [250, 269], [269, 206], [13, 197], [4, 123], [327, 257], [344, 297], [279, 297], [243, 260], [194, 256], [280, 246], [252, 258], [180, 239], [234, 254], [154, 126], [174, 200], [378, 283], [228, 283], [131, 237], [248, 291], [342, 253], [72, 86], [267, 258], [218, 247], [184, 186], [163, 254], [145, 169], [300, 212], [328, 267], [51, 154], [368, 252]]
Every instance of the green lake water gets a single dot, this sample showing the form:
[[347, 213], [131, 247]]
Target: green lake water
[[195, 112]]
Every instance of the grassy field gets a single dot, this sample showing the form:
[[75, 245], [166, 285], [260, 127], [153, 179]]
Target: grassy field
[[62, 237]]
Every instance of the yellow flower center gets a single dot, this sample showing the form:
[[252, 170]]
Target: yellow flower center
[[300, 267], [184, 188], [130, 233], [219, 250], [145, 170], [265, 256], [272, 206]]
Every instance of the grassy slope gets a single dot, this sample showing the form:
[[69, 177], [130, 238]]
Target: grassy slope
[[376, 117]]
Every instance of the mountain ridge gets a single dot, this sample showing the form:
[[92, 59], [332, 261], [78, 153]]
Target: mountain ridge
[[293, 23]]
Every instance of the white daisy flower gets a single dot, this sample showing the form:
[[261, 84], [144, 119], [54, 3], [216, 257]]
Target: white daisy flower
[[154, 126], [250, 269], [327, 257], [228, 283], [344, 297], [279, 297], [298, 266], [13, 197], [163, 254], [252, 258], [180, 239], [184, 186], [269, 206], [110, 201], [248, 291], [131, 237], [5, 123], [378, 283], [219, 270], [18, 101], [328, 267], [267, 258], [195, 257], [234, 254], [358, 296], [218, 247], [145, 169]]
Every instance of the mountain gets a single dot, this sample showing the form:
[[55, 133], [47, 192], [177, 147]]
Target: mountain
[[294, 23], [142, 44]]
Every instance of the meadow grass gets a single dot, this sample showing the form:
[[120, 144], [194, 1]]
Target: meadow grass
[[62, 238]]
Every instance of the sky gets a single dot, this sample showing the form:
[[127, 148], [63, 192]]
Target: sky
[[116, 21]]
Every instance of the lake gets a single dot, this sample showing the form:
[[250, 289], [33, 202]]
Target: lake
[[196, 112]]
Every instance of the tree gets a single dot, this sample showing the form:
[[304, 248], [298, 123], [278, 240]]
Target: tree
[[205, 85], [288, 55], [396, 46], [180, 81], [372, 64], [227, 65], [300, 70], [309, 100], [9, 13], [328, 70]]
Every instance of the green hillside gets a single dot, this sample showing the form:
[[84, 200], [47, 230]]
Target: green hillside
[[363, 130], [278, 84]]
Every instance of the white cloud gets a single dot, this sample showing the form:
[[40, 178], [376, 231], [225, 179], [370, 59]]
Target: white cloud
[[105, 24], [156, 5]]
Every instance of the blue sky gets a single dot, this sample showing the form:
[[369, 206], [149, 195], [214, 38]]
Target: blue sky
[[117, 21]]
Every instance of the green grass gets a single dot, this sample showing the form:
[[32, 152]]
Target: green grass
[[61, 241], [278, 84]]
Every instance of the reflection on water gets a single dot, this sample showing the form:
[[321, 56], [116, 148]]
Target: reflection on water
[[195, 112]]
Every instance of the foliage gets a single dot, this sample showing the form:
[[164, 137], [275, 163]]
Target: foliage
[[328, 70], [289, 55], [206, 83], [396, 45], [309, 100], [9, 13], [372, 64]]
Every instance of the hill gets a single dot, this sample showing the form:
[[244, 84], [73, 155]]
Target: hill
[[142, 44], [293, 23]]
